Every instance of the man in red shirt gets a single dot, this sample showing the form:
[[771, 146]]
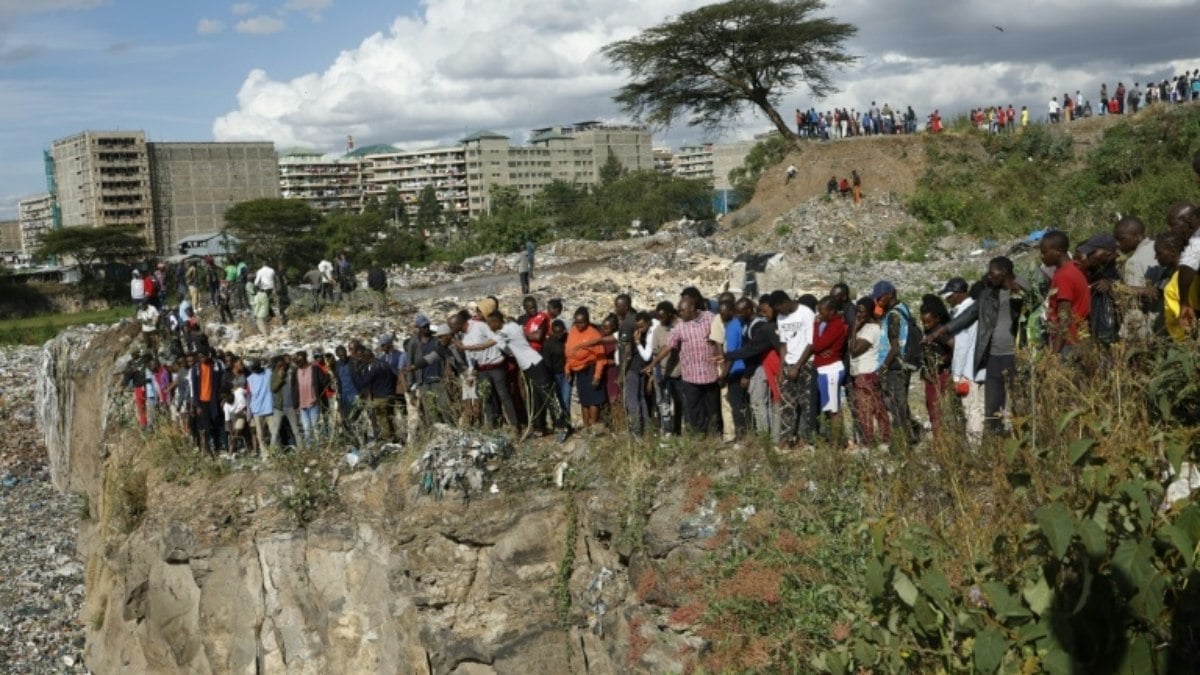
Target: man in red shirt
[[535, 324], [1070, 298]]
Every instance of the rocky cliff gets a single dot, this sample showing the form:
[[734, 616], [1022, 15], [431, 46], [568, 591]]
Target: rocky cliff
[[199, 569]]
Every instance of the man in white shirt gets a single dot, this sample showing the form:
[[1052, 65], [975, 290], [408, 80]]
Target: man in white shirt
[[794, 323], [147, 315], [1053, 109], [326, 269], [489, 364], [539, 383], [1138, 250], [968, 382], [264, 278]]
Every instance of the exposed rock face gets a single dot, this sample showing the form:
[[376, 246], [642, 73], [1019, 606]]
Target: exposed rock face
[[216, 577]]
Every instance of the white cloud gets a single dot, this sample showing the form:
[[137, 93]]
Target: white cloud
[[209, 26], [259, 25], [462, 65], [242, 8]]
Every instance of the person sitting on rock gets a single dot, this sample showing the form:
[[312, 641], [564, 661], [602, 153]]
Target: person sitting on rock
[[832, 186], [844, 187]]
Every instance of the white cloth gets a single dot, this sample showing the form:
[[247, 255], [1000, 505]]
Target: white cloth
[[264, 278], [1139, 263], [326, 269], [867, 362], [137, 289], [477, 334], [148, 317], [1190, 257], [962, 363], [796, 332], [512, 338]]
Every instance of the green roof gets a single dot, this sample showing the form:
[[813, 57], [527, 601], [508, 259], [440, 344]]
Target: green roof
[[299, 152], [373, 150], [484, 135]]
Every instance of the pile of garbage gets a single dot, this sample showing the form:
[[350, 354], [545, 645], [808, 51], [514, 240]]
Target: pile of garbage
[[459, 459]]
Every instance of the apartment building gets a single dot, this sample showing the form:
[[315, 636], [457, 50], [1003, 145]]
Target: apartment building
[[99, 178], [410, 172], [326, 183], [10, 241], [664, 161], [36, 216], [694, 161], [194, 184], [725, 158]]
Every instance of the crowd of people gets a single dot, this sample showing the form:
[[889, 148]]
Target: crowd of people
[[782, 365], [842, 123]]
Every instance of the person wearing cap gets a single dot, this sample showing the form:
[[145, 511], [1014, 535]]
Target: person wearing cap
[[968, 380], [490, 366], [894, 377], [427, 359], [1098, 261], [996, 315]]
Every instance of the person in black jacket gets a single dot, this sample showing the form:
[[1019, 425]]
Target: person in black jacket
[[998, 311], [377, 386], [209, 379], [759, 338]]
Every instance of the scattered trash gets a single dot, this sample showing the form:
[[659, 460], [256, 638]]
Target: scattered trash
[[458, 458]]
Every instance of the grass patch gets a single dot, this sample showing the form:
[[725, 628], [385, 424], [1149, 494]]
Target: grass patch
[[36, 330]]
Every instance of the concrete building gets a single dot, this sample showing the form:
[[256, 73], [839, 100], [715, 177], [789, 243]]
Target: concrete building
[[664, 161], [36, 216], [410, 172], [725, 158], [631, 144], [194, 184], [327, 184], [10, 241], [100, 178], [694, 161]]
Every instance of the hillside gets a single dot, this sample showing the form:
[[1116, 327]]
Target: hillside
[[888, 164]]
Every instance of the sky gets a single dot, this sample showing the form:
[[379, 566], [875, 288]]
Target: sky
[[420, 73]]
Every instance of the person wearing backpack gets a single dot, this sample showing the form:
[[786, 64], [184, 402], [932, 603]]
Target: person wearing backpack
[[899, 357]]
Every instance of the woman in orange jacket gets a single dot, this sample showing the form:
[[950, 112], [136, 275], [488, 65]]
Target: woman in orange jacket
[[585, 365]]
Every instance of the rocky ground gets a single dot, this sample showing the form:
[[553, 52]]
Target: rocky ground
[[41, 582]]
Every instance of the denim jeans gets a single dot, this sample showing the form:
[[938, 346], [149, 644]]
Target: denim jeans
[[309, 417]]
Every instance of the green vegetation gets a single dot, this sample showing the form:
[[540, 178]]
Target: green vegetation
[[36, 330], [1012, 557], [1016, 183], [763, 156]]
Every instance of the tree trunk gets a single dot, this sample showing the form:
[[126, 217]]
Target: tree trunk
[[780, 123]]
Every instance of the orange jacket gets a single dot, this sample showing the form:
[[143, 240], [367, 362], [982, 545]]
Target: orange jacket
[[579, 360]]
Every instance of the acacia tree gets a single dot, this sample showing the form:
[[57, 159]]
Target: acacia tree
[[90, 246], [277, 230], [711, 62]]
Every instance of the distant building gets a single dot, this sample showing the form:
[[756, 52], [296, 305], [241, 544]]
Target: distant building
[[165, 190], [462, 176], [36, 216], [725, 158], [10, 242], [694, 161], [410, 172], [711, 160], [197, 246], [326, 184], [664, 161], [194, 184], [100, 178]]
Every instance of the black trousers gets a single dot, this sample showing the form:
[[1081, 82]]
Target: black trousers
[[1000, 370], [739, 403], [543, 400], [701, 405]]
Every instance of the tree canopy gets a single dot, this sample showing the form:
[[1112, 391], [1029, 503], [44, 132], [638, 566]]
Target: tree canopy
[[711, 62], [278, 230], [89, 246]]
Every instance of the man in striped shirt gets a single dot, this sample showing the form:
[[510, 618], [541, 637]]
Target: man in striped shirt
[[697, 359]]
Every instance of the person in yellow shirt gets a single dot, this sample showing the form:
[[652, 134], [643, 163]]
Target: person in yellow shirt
[[1167, 249], [1024, 116]]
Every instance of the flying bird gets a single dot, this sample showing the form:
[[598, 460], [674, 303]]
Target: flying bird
[[998, 28]]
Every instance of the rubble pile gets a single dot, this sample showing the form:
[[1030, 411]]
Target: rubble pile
[[41, 582], [459, 459]]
